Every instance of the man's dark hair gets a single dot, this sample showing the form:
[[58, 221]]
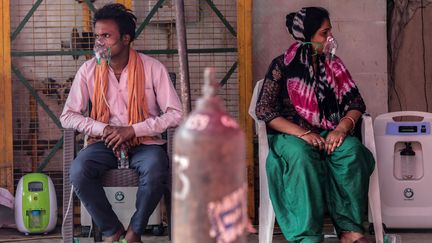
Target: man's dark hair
[[125, 19]]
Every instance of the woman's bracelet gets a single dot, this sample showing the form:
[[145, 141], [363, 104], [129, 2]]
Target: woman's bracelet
[[352, 121], [305, 133]]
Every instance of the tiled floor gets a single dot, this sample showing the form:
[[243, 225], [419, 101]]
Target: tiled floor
[[10, 235]]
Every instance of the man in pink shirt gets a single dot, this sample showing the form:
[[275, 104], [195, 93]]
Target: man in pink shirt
[[133, 101]]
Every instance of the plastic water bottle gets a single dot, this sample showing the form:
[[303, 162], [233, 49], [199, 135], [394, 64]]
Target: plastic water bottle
[[392, 238], [123, 159], [408, 162]]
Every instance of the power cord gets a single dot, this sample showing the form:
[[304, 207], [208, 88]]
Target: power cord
[[422, 7], [67, 212], [90, 231]]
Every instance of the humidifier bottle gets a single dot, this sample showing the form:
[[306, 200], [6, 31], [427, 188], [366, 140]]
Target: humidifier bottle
[[408, 162], [35, 219]]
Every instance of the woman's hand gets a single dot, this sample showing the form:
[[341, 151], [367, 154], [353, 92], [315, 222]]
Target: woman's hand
[[333, 140], [315, 140]]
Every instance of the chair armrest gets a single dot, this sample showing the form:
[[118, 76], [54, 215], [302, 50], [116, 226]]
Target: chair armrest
[[367, 132], [68, 145], [261, 131]]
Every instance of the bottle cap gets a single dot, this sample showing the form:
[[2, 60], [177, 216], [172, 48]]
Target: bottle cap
[[407, 151]]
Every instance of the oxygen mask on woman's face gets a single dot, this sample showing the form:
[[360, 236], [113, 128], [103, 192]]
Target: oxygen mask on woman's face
[[330, 46], [101, 51]]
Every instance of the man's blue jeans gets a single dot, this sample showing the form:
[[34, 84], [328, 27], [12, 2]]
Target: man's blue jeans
[[150, 161]]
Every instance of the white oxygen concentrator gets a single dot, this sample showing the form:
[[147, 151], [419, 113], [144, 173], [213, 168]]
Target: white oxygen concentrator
[[404, 157], [122, 200]]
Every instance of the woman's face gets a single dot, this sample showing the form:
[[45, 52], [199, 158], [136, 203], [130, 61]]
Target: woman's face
[[321, 36]]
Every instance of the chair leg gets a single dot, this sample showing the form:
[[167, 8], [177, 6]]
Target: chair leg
[[266, 223], [167, 198], [68, 155], [375, 207], [67, 230]]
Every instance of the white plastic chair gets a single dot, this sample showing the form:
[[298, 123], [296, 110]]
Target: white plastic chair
[[266, 213]]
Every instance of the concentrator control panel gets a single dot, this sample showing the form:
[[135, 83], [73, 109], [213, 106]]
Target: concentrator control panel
[[408, 128]]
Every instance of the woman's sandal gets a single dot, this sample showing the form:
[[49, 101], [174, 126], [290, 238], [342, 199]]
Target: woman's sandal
[[122, 235], [363, 240], [125, 241]]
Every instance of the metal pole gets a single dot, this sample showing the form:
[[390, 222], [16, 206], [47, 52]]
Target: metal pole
[[184, 64]]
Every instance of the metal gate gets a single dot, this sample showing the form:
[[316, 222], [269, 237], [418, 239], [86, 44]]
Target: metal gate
[[50, 39]]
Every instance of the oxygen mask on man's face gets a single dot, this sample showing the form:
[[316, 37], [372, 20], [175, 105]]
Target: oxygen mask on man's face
[[330, 46], [101, 51]]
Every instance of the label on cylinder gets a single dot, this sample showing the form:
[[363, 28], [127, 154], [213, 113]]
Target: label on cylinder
[[228, 217]]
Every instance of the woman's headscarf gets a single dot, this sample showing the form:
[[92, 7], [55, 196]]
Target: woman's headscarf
[[320, 97]]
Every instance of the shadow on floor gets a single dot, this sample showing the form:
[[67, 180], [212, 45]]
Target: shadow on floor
[[12, 235]]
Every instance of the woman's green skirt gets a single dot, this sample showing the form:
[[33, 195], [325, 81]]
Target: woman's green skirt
[[304, 183]]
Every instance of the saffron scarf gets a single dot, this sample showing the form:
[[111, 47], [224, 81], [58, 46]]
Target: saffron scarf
[[137, 102], [321, 97]]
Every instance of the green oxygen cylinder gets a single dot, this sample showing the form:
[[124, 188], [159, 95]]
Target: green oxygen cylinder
[[209, 174]]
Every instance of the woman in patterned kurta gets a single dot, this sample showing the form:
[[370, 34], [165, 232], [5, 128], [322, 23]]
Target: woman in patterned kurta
[[311, 105]]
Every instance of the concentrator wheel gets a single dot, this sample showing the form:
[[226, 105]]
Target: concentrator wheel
[[85, 231], [158, 230], [372, 230]]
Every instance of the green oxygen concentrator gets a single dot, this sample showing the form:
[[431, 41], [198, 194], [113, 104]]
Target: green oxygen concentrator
[[35, 204]]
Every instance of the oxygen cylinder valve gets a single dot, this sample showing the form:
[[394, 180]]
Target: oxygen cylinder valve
[[211, 86]]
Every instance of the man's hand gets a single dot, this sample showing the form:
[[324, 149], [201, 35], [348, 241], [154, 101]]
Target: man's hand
[[91, 140], [115, 136]]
